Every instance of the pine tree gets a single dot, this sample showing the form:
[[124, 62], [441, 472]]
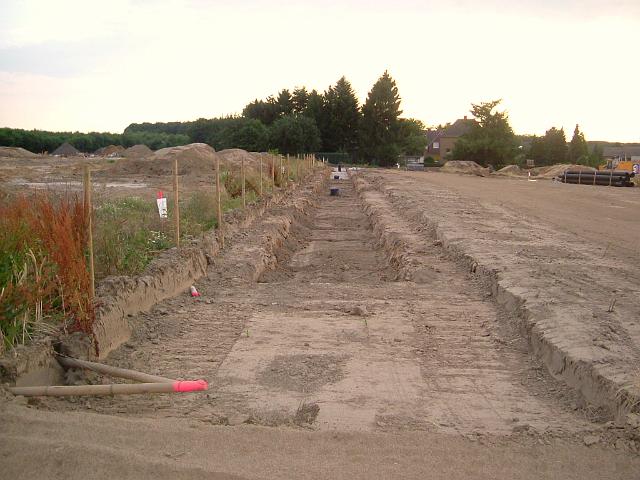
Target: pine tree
[[578, 149], [299, 99], [379, 125], [284, 102], [340, 118]]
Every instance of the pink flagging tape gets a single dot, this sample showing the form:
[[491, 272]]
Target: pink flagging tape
[[190, 386]]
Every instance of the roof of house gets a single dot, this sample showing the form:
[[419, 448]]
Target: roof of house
[[623, 151], [458, 128], [66, 149]]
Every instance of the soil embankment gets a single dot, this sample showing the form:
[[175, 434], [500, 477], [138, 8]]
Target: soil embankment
[[560, 288], [360, 336]]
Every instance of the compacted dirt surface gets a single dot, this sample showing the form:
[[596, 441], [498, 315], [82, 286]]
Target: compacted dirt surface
[[368, 351]]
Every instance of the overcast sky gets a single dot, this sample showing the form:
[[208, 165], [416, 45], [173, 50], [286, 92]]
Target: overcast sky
[[99, 65]]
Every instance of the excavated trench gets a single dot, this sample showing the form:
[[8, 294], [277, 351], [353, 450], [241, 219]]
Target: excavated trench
[[362, 323], [332, 244]]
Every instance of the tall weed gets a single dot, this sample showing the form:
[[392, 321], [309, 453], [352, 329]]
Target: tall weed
[[43, 271]]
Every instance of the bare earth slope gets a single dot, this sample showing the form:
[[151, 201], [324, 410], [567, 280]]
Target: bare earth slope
[[568, 252], [366, 352]]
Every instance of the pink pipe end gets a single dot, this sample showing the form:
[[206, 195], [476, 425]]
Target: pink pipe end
[[190, 386]]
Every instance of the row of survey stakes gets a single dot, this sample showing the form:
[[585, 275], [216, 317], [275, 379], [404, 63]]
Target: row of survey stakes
[[288, 166], [152, 383]]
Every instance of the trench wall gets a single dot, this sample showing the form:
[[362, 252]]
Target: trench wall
[[174, 271], [600, 384]]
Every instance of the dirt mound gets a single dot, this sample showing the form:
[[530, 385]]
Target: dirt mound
[[511, 171], [109, 150], [555, 170], [66, 150], [233, 157], [137, 151], [16, 152], [195, 159], [464, 166]]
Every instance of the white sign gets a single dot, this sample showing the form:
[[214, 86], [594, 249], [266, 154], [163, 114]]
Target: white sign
[[162, 206]]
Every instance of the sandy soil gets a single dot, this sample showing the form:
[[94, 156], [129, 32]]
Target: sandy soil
[[356, 357], [606, 216]]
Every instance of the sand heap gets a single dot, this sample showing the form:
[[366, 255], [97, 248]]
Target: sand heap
[[232, 158], [553, 171], [464, 166], [511, 171], [137, 151], [194, 159], [111, 150], [16, 152], [66, 150]]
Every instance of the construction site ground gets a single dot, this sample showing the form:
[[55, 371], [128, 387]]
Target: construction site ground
[[371, 350]]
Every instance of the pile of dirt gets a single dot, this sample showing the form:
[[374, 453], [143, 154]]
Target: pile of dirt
[[553, 171], [111, 150], [137, 151], [232, 158], [511, 171], [464, 166], [16, 152], [66, 150], [196, 159]]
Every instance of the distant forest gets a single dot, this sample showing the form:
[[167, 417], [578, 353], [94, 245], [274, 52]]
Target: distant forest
[[302, 121], [39, 141], [291, 122]]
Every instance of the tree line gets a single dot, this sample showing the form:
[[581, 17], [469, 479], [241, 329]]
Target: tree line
[[39, 141], [491, 141], [302, 121]]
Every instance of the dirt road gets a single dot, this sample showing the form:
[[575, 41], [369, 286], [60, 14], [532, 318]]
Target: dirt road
[[374, 352]]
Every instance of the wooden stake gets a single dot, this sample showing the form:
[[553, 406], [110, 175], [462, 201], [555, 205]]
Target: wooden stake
[[260, 174], [288, 168], [244, 199], [281, 172], [273, 174], [176, 213], [69, 362], [88, 211], [219, 203]]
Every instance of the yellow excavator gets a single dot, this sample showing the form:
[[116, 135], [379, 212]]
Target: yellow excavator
[[622, 165]]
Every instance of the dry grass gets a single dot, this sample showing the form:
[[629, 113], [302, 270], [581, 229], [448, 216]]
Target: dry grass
[[42, 266]]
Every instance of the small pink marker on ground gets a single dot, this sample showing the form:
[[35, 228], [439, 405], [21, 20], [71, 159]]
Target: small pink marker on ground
[[190, 386], [194, 292]]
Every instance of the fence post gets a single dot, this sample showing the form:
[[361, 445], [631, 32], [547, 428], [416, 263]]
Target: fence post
[[261, 175], [281, 172], [273, 174], [88, 212], [219, 203], [288, 168], [244, 199], [176, 207]]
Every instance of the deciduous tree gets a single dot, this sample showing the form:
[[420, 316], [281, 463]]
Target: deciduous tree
[[491, 140]]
